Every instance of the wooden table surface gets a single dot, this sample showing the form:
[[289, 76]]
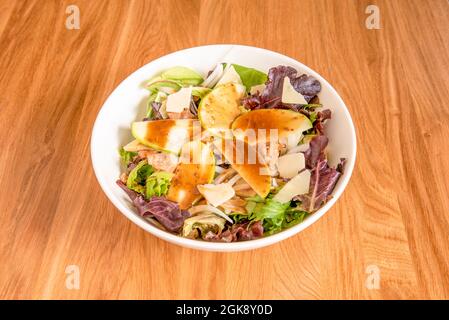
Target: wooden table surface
[[391, 224]]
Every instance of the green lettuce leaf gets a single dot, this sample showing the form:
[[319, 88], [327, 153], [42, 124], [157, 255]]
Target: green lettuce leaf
[[255, 198], [313, 116], [293, 216], [250, 77], [238, 217], [138, 176], [151, 99], [274, 215], [271, 213], [126, 156], [157, 184]]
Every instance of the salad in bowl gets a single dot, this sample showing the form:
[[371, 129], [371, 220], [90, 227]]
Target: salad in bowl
[[231, 155]]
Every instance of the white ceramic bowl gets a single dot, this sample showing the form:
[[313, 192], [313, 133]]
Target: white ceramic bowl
[[127, 104]]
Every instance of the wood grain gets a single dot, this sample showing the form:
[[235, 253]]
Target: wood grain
[[394, 213]]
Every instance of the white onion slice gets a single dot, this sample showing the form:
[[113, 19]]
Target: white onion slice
[[224, 175], [234, 179], [214, 77], [219, 169], [209, 208], [243, 186]]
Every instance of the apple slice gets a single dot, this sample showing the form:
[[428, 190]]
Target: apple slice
[[165, 86], [135, 146], [196, 167], [248, 164], [289, 124], [165, 135], [220, 107]]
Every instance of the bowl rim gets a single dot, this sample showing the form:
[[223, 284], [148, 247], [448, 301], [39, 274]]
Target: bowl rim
[[233, 246]]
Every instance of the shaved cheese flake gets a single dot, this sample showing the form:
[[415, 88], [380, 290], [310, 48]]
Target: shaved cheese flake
[[296, 186], [179, 101], [216, 194], [290, 95], [230, 76], [209, 208], [290, 164], [293, 139]]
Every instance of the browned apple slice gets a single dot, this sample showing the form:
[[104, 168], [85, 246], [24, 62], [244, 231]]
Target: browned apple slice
[[247, 162], [288, 123], [220, 107], [197, 166], [167, 135]]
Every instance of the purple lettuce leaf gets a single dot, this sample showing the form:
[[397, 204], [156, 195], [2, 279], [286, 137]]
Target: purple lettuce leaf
[[308, 86], [315, 153], [131, 193], [166, 212], [341, 165], [155, 112], [157, 115], [271, 95], [323, 178], [238, 232], [252, 102], [321, 117], [322, 183]]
